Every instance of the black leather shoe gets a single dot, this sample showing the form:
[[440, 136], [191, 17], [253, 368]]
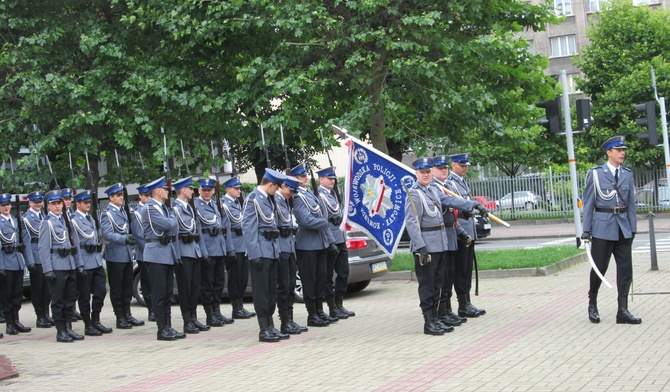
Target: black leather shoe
[[190, 328], [73, 334], [11, 328], [225, 319], [49, 320], [63, 337], [345, 311], [593, 314], [200, 326], [337, 313], [22, 328], [151, 317], [75, 316], [473, 309], [450, 320], [214, 322], [178, 335], [122, 323], [445, 327], [289, 328], [432, 329], [43, 323], [298, 326], [267, 337], [623, 316], [278, 334], [90, 330], [133, 321], [248, 313], [316, 321], [326, 317], [101, 327], [240, 313], [164, 334], [457, 317], [465, 312]]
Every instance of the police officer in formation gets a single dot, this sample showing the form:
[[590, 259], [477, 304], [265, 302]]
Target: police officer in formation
[[160, 254], [115, 228], [610, 224], [237, 263], [62, 265], [12, 265], [39, 290], [287, 268], [338, 264], [138, 233]]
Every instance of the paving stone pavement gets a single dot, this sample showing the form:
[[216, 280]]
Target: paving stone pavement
[[535, 337]]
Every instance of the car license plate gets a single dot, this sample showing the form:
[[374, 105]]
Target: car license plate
[[379, 267], [487, 226]]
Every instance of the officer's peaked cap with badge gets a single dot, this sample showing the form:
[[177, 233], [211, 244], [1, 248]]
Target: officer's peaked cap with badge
[[298, 170], [116, 188], [274, 176], [142, 189], [67, 193], [327, 172], [461, 159], [53, 195], [207, 183], [440, 161], [233, 182], [5, 198], [615, 142], [183, 183], [36, 196], [423, 163], [293, 183], [83, 195], [155, 184]]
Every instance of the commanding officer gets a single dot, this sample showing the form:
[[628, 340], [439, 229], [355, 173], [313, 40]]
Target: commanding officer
[[190, 250], [11, 267], [237, 263], [62, 264], [261, 237], [610, 192], [39, 291], [466, 254], [314, 242], [91, 290], [337, 264], [287, 263], [217, 243], [114, 225], [138, 233], [160, 255]]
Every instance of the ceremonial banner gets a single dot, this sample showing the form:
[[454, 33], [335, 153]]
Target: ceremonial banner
[[375, 195]]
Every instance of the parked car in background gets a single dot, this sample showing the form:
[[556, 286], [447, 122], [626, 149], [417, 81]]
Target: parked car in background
[[483, 226], [484, 200], [522, 199]]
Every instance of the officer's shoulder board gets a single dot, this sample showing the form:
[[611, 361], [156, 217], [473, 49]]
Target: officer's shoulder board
[[252, 196], [624, 168]]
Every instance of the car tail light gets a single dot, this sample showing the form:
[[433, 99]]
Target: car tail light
[[356, 243]]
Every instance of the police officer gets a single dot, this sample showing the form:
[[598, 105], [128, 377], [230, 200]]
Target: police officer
[[39, 291], [237, 263], [160, 254], [138, 233], [67, 200], [466, 253], [337, 264], [218, 244], [190, 249], [261, 237], [62, 265], [115, 228], [314, 242], [12, 265], [610, 224], [287, 268], [91, 290]]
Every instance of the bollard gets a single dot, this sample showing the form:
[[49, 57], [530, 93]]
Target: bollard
[[652, 241]]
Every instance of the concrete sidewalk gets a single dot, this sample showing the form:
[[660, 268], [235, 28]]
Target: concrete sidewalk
[[535, 337]]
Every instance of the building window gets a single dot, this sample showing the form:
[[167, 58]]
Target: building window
[[563, 7], [531, 46], [646, 2], [563, 46], [572, 83], [595, 5]]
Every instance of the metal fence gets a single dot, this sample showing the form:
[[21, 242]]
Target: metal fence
[[546, 196]]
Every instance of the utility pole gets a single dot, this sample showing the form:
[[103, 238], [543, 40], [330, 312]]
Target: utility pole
[[571, 156]]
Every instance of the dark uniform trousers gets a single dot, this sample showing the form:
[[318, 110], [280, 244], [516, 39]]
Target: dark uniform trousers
[[338, 265], [463, 269], [63, 294], [11, 293], [286, 271], [264, 284], [188, 282], [145, 283], [449, 275], [312, 265], [92, 291], [431, 280], [162, 285], [238, 276], [601, 251], [213, 278], [120, 284], [40, 296]]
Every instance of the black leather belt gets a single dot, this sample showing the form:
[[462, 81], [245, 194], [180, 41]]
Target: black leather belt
[[214, 231], [20, 248], [615, 210], [237, 231], [188, 238], [91, 248], [270, 234], [433, 228], [64, 251], [164, 240], [34, 240]]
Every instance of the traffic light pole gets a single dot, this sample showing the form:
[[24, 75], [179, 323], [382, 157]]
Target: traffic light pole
[[664, 124], [571, 156]]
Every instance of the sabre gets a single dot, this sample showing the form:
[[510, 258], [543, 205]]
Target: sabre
[[587, 245], [126, 202], [53, 176], [168, 201], [142, 161], [94, 195], [265, 147], [183, 157], [330, 162], [19, 218], [491, 216], [74, 187], [231, 155]]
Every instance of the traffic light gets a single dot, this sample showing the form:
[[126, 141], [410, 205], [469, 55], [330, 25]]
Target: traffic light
[[584, 119], [554, 116], [649, 121]]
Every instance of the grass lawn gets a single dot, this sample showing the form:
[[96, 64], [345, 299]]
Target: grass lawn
[[503, 259]]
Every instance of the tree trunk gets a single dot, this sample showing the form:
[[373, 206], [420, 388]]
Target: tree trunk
[[377, 119]]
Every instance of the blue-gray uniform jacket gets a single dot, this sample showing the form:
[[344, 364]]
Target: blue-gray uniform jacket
[[9, 238], [31, 223], [114, 226], [329, 200], [215, 233], [157, 221], [189, 242], [138, 232], [258, 218], [313, 226], [84, 225], [53, 236], [233, 213], [425, 225], [600, 192], [457, 185], [452, 230], [285, 224]]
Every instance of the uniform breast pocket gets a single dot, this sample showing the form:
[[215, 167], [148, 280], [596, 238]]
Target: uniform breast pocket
[[624, 189], [7, 232]]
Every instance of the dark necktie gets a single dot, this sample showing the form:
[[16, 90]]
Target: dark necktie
[[165, 210], [616, 175]]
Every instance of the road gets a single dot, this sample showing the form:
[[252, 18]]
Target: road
[[640, 244]]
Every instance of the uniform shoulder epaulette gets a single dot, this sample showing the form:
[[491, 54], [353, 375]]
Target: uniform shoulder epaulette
[[626, 169], [596, 167], [252, 196]]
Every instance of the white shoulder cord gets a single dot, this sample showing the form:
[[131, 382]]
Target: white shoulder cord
[[332, 209], [312, 209], [120, 229], [596, 185], [151, 224], [54, 236], [231, 216], [207, 222], [259, 212], [431, 213], [30, 227], [6, 240], [183, 224], [282, 217], [81, 231], [138, 216]]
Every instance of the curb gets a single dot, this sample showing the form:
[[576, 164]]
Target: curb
[[497, 274]]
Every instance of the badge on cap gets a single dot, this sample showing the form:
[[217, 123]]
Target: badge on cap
[[422, 163], [615, 142]]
